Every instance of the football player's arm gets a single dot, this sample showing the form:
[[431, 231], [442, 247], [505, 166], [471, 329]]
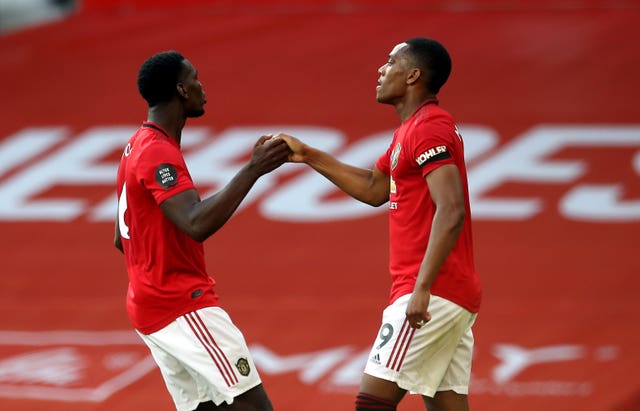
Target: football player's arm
[[368, 186], [447, 193], [199, 219]]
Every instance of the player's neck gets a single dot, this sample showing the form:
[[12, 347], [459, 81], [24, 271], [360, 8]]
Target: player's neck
[[408, 105], [170, 120]]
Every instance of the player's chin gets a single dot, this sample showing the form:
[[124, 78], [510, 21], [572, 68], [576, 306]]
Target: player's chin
[[382, 99], [196, 113]]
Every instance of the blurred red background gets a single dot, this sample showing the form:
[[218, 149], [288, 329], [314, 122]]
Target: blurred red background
[[544, 93]]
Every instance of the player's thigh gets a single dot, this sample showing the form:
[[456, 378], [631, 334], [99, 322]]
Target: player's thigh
[[212, 349], [381, 388], [220, 359], [255, 399], [178, 379], [458, 374], [447, 401], [417, 360]]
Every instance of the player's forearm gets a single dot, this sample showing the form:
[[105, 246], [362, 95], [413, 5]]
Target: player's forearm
[[445, 230], [211, 214], [355, 181]]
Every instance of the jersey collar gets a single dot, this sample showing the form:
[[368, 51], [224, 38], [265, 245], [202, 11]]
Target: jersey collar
[[149, 124], [426, 103]]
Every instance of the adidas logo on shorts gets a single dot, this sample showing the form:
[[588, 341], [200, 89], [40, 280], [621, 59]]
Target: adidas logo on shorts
[[375, 359]]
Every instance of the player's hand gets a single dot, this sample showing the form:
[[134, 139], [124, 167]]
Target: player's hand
[[263, 139], [269, 153], [296, 146], [417, 313]]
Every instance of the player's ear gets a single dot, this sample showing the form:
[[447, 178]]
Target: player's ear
[[182, 91], [413, 76]]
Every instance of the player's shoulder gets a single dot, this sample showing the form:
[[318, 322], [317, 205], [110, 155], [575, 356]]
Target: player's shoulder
[[149, 138], [433, 118], [150, 148], [436, 124], [433, 113]]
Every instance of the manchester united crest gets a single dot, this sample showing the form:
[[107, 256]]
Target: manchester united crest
[[243, 367], [394, 155]]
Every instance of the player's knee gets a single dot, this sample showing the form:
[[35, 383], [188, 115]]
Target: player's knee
[[367, 402]]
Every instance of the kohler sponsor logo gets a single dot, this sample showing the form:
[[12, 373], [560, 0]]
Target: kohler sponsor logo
[[424, 157]]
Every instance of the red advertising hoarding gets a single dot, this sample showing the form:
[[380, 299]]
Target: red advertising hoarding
[[545, 98]]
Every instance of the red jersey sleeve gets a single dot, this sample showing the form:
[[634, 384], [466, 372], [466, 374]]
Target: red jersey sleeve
[[431, 145], [384, 161], [163, 172]]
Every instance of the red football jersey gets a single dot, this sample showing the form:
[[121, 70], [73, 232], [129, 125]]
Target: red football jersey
[[425, 141], [167, 275]]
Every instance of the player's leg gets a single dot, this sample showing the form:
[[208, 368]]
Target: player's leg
[[447, 401], [378, 387], [179, 382], [377, 394], [205, 358], [224, 369], [255, 399], [206, 406], [418, 360], [454, 387]]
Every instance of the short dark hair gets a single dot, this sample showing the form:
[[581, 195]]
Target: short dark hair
[[159, 75], [432, 59]]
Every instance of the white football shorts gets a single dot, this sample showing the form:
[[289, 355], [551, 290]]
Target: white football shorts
[[203, 357], [436, 357]]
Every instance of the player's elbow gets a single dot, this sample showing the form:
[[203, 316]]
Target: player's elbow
[[199, 237], [200, 231], [377, 202], [376, 198], [196, 233], [194, 227], [457, 215], [459, 218], [453, 215]]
